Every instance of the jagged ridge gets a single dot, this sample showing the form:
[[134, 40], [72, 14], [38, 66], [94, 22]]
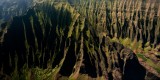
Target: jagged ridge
[[55, 36]]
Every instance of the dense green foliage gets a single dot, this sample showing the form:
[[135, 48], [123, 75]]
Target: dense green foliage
[[79, 39]]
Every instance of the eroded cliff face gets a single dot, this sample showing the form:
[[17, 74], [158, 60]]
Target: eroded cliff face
[[56, 42]]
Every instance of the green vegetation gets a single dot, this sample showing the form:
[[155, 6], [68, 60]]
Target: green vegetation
[[142, 56], [82, 40]]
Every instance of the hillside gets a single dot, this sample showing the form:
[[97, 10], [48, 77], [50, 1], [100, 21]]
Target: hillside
[[94, 40]]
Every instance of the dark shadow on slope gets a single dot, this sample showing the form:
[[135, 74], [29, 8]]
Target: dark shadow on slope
[[15, 40], [69, 62], [134, 70], [89, 63]]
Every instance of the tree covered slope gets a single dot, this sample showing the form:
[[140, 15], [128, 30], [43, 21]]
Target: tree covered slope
[[57, 41]]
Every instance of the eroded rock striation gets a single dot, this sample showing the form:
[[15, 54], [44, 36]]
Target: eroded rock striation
[[57, 38]]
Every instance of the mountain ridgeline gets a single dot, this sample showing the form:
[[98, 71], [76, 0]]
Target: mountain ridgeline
[[58, 37]]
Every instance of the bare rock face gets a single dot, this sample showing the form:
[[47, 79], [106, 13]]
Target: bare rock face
[[56, 37]]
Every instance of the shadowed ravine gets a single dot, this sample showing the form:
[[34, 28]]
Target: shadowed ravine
[[58, 39]]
